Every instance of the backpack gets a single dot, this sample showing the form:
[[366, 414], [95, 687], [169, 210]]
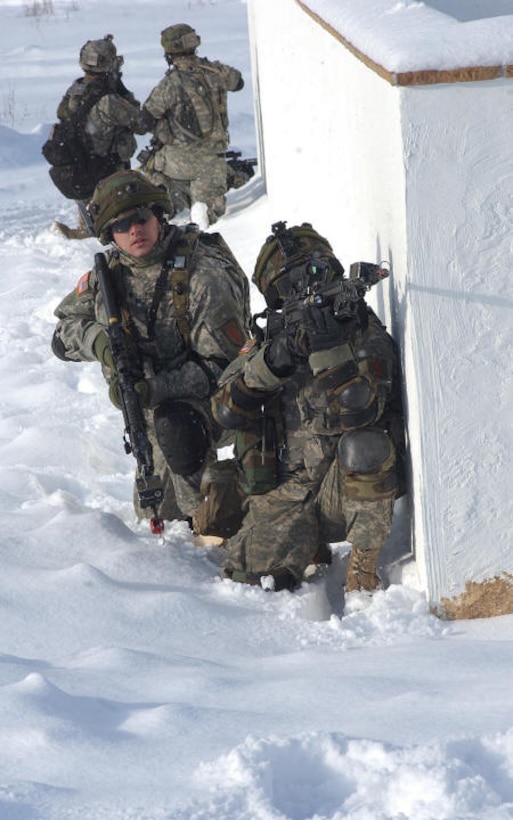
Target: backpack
[[75, 168], [197, 114]]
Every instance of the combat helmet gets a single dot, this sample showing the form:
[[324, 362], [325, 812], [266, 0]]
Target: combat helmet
[[291, 258], [99, 56], [179, 39], [120, 193]]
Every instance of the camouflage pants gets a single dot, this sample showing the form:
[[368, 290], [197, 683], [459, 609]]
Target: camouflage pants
[[286, 526], [192, 175], [182, 494]]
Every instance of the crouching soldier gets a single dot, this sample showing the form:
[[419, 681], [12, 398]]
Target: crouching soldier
[[184, 304], [317, 409]]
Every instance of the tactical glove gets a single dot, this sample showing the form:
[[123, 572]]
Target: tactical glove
[[278, 356], [102, 351], [323, 331], [142, 388]]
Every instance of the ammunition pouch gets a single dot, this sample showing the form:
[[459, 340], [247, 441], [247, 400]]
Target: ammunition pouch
[[182, 436], [220, 511], [257, 451]]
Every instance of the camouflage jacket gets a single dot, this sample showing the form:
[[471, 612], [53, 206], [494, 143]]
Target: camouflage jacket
[[217, 315], [354, 385], [190, 103], [112, 121]]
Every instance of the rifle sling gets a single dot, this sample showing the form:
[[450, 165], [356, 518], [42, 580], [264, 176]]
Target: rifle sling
[[176, 269]]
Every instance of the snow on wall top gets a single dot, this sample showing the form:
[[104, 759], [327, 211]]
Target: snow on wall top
[[405, 35]]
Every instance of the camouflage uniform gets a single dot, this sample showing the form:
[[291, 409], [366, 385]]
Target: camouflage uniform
[[110, 123], [330, 418], [188, 114], [175, 368]]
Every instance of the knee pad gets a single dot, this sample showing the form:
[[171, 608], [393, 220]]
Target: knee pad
[[182, 437], [365, 451]]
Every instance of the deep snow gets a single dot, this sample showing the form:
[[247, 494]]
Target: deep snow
[[134, 683]]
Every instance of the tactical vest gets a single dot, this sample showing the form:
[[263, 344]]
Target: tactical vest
[[175, 273]]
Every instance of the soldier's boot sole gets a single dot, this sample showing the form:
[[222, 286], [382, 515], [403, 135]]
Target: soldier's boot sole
[[69, 233], [362, 575], [209, 541]]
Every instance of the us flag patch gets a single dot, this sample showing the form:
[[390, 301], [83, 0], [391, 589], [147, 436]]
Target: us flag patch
[[83, 284], [248, 346]]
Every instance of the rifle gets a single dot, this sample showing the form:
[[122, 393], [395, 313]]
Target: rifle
[[239, 171], [342, 297], [148, 152], [148, 484]]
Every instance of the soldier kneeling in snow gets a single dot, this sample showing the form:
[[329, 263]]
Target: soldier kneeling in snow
[[317, 409]]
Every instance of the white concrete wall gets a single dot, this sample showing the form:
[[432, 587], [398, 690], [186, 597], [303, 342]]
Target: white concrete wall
[[457, 328], [420, 176], [318, 104]]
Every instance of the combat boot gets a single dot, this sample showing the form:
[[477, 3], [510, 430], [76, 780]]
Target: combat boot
[[362, 572], [70, 233]]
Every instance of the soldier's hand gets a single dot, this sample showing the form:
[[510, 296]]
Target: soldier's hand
[[114, 392], [324, 331], [102, 351], [142, 388]]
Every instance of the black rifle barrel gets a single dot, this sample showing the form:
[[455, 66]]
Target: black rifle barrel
[[148, 484], [127, 370]]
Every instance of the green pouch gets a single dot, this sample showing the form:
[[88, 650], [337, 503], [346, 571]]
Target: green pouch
[[256, 453]]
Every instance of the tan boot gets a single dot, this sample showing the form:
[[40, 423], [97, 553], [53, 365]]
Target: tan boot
[[70, 233], [362, 571], [209, 541]]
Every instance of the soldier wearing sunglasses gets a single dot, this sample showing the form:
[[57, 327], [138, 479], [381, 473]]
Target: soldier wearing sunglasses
[[185, 306]]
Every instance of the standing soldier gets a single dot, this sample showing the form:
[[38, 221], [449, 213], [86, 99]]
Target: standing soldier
[[100, 117], [188, 114], [317, 409], [184, 303]]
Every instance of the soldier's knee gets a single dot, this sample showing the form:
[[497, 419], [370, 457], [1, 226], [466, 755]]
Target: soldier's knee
[[368, 462], [182, 437]]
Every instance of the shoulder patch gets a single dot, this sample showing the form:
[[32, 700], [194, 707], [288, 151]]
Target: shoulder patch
[[248, 346], [83, 284], [233, 332]]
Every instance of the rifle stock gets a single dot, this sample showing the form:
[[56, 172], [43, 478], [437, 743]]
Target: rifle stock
[[86, 216], [136, 441]]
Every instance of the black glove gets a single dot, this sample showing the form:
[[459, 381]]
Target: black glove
[[324, 331], [278, 356]]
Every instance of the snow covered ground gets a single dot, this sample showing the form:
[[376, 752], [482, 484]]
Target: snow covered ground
[[134, 683]]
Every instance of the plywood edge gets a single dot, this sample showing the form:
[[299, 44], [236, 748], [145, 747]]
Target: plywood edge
[[480, 599], [421, 77]]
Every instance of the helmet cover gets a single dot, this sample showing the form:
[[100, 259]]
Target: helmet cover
[[179, 39], [291, 256], [122, 192], [99, 56]]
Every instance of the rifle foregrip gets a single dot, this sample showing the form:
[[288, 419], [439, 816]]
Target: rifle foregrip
[[106, 289]]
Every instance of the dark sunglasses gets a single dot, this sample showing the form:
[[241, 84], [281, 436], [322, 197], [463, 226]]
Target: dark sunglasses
[[139, 217]]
